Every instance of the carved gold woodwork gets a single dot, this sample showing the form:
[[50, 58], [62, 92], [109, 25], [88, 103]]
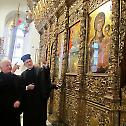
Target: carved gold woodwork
[[121, 48], [94, 4], [85, 98], [97, 115], [61, 23], [103, 89], [74, 12], [71, 100]]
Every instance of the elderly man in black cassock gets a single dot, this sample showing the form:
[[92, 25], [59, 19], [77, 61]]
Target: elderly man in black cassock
[[38, 87], [11, 94]]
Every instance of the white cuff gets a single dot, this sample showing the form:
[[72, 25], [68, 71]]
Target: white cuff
[[26, 88]]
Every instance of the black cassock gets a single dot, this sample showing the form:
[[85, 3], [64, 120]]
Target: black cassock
[[10, 91], [35, 106]]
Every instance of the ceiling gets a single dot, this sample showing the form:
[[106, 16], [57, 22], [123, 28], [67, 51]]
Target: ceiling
[[11, 1], [14, 4], [10, 7]]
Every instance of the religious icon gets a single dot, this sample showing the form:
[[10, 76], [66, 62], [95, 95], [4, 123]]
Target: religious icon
[[59, 55], [74, 47], [99, 41]]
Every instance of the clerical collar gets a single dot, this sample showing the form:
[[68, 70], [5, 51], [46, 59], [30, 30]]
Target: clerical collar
[[31, 68]]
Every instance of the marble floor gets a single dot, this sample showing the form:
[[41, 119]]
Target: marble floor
[[48, 123]]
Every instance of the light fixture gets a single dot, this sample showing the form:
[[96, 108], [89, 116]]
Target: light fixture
[[29, 17]]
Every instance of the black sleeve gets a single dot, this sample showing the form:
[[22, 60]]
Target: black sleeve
[[47, 72], [44, 82], [20, 87], [20, 91]]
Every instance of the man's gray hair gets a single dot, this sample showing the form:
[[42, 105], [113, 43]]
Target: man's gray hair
[[2, 62]]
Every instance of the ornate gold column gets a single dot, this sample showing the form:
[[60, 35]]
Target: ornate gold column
[[81, 75], [64, 69], [114, 66], [122, 59], [53, 47]]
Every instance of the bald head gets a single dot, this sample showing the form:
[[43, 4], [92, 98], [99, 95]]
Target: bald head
[[5, 66]]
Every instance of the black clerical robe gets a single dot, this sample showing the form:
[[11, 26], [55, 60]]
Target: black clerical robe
[[10, 91], [35, 102]]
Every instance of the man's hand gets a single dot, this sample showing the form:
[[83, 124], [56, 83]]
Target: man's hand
[[56, 86], [15, 67], [30, 87], [17, 104]]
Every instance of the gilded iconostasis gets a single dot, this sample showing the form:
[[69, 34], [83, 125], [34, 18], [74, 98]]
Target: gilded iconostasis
[[85, 49]]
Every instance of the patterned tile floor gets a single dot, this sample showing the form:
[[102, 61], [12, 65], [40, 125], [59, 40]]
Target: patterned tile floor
[[48, 123]]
